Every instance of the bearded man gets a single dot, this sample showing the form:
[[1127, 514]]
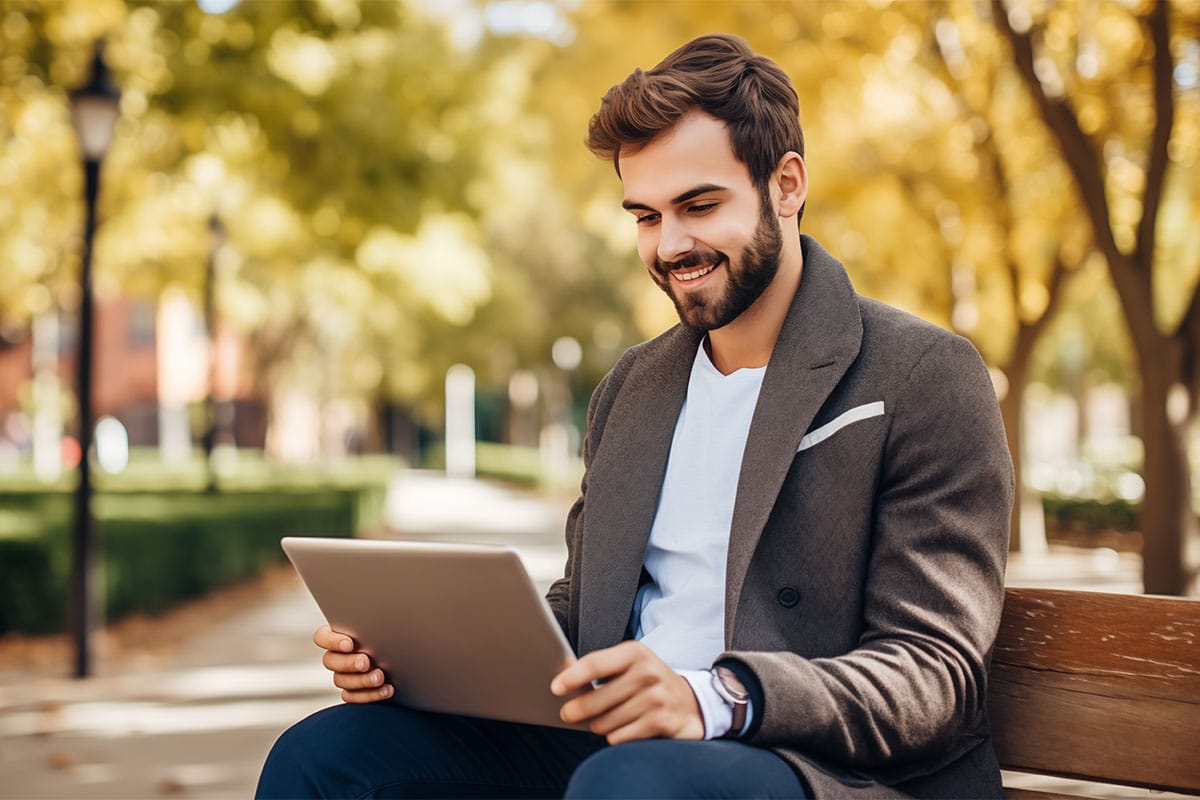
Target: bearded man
[[785, 569]]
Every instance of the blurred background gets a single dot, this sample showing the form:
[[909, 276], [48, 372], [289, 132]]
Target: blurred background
[[344, 267]]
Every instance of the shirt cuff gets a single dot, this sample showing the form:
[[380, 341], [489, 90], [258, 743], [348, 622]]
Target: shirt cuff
[[717, 715]]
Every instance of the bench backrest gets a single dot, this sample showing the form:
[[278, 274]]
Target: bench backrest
[[1097, 686]]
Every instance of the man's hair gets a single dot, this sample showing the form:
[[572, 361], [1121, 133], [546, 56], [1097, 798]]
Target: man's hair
[[720, 75]]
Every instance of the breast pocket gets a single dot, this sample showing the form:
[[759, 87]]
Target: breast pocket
[[835, 470], [844, 420]]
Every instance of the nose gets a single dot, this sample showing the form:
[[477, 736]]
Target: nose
[[674, 240]]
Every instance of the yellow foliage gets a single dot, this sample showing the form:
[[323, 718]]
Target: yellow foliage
[[418, 194]]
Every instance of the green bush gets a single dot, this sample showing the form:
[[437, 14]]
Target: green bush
[[1080, 514], [158, 548], [33, 589]]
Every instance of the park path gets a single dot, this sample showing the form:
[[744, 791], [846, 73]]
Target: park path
[[198, 722]]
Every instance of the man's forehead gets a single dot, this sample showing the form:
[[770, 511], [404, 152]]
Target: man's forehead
[[694, 152], [658, 188]]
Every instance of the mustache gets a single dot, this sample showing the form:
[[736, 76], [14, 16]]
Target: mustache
[[695, 258]]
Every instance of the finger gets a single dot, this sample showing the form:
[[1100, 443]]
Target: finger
[[367, 696], [641, 720], [640, 728], [654, 704], [355, 681], [618, 702], [328, 639], [597, 665], [653, 713], [619, 716], [340, 662], [592, 704]]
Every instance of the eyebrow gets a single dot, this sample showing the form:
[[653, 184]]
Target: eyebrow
[[705, 188]]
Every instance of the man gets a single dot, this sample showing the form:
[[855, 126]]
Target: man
[[803, 490]]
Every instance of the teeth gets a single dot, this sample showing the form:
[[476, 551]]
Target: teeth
[[691, 276]]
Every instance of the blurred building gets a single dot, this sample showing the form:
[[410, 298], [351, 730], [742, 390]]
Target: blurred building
[[152, 372]]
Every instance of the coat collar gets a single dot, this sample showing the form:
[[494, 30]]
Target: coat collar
[[820, 338]]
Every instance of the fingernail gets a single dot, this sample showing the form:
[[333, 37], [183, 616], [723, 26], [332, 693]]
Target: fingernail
[[385, 691], [376, 678], [345, 645], [360, 664]]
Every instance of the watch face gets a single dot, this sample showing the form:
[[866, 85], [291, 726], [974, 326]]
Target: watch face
[[732, 683]]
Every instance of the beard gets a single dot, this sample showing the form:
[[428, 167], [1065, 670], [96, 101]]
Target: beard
[[744, 283]]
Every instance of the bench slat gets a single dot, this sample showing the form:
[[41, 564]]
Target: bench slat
[[1035, 794], [1098, 686]]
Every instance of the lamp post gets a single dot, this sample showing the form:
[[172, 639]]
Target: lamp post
[[94, 112], [218, 411]]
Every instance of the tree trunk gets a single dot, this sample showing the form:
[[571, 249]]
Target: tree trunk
[[1167, 519], [1010, 413]]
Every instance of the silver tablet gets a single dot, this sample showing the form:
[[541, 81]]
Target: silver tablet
[[456, 628]]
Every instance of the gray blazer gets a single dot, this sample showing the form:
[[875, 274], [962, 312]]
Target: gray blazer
[[867, 550]]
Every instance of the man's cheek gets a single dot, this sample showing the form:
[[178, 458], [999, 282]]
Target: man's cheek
[[648, 256]]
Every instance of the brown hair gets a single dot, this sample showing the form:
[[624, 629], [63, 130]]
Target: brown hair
[[720, 75]]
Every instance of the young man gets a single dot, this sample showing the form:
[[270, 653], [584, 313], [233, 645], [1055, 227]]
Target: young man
[[786, 566]]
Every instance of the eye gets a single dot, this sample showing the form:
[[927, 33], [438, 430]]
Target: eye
[[702, 208], [647, 219]]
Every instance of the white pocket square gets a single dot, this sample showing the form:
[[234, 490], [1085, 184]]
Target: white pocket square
[[856, 414]]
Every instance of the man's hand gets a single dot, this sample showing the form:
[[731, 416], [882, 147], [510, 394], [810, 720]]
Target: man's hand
[[353, 672], [640, 698]]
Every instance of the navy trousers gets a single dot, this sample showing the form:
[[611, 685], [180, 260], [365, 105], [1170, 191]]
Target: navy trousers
[[384, 750]]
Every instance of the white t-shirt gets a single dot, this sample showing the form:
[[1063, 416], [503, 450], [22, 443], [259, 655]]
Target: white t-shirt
[[680, 612]]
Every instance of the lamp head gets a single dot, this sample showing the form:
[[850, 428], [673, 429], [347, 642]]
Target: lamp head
[[95, 108]]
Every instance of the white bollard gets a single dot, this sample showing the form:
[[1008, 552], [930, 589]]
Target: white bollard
[[112, 445], [460, 421]]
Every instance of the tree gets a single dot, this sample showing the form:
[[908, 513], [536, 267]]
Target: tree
[[1121, 185], [1037, 244], [357, 158]]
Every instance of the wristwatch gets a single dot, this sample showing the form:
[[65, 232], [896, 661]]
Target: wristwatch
[[726, 683]]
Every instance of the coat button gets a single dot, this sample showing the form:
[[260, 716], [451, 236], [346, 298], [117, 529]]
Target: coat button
[[788, 596]]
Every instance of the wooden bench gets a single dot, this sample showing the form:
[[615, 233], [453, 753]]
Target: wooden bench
[[1098, 687]]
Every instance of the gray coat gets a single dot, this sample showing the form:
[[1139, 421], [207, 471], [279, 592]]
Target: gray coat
[[867, 550]]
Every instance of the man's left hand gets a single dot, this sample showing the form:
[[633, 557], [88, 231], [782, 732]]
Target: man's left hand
[[640, 697]]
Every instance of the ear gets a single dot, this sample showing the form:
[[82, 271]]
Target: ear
[[790, 181]]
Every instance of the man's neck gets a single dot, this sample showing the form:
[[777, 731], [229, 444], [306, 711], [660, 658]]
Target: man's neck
[[749, 339]]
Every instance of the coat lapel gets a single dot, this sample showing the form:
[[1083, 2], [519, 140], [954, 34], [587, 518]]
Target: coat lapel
[[624, 483], [819, 340]]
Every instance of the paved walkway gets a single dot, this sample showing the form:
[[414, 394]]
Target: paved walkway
[[199, 725]]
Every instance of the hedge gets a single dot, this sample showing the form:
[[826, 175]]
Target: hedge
[[158, 548], [1081, 514]]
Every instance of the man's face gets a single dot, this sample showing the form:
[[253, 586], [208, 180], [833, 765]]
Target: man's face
[[708, 236]]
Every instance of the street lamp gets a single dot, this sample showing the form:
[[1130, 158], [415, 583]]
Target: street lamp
[[218, 411], [94, 112]]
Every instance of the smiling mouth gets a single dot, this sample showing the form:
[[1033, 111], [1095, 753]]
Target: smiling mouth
[[692, 275]]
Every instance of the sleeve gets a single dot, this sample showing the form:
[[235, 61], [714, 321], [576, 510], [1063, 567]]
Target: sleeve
[[934, 585]]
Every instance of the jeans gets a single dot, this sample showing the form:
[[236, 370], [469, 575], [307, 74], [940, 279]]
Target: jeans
[[385, 750]]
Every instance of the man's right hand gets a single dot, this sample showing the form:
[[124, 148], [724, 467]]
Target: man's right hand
[[353, 672]]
